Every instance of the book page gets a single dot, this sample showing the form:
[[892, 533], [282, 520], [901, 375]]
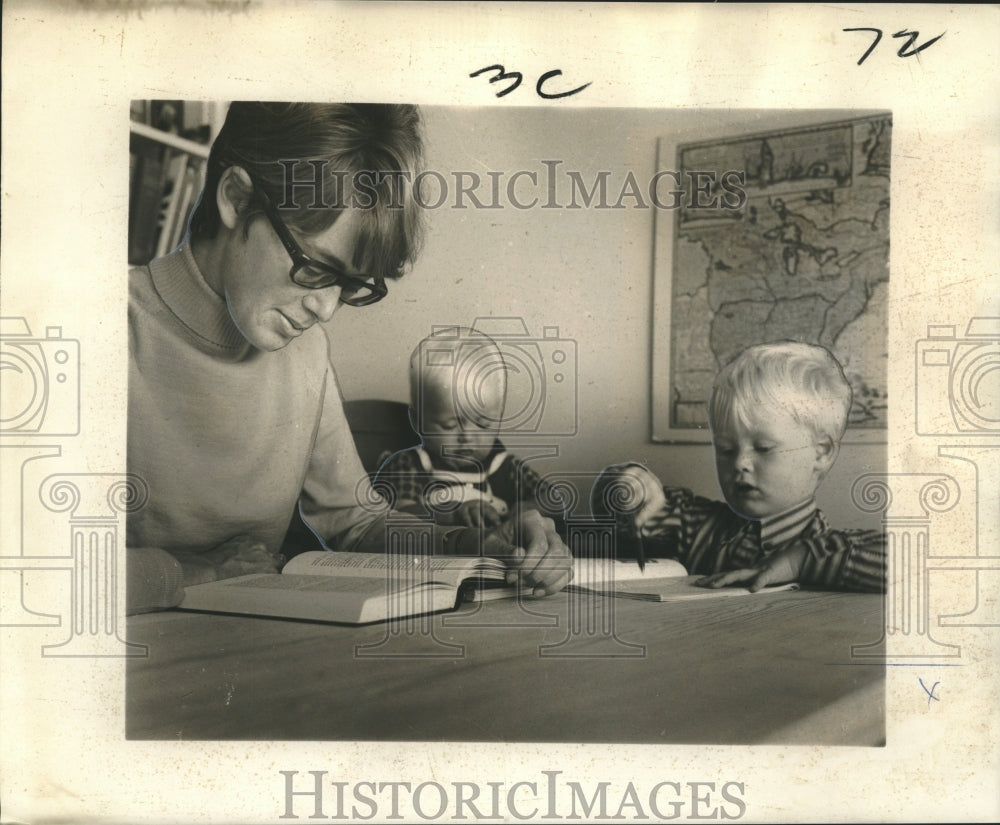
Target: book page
[[350, 599], [684, 588], [382, 565], [291, 581], [590, 572], [366, 565]]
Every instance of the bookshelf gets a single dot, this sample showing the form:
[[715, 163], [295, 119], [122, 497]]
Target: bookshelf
[[169, 142]]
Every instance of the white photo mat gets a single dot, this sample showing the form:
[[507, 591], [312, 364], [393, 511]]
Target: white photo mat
[[69, 74]]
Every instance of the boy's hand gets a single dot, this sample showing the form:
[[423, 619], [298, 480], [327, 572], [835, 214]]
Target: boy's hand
[[642, 493], [778, 568], [535, 554]]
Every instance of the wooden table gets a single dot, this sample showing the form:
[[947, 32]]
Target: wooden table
[[765, 668]]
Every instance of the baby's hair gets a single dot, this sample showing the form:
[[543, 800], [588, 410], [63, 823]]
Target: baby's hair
[[803, 379], [459, 360]]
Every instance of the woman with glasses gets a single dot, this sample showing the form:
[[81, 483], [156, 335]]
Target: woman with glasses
[[235, 420]]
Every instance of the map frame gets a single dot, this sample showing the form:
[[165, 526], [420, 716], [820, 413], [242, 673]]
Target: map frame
[[766, 125]]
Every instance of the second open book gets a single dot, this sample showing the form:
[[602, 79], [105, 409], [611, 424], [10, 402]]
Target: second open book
[[662, 580]]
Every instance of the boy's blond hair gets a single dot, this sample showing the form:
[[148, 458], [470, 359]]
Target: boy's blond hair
[[803, 379]]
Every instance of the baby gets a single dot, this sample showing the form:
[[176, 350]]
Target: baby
[[461, 473], [777, 414]]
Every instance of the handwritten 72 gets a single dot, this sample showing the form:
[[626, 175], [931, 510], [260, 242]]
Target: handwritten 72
[[906, 50]]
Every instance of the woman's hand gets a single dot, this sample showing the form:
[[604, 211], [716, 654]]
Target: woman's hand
[[535, 554]]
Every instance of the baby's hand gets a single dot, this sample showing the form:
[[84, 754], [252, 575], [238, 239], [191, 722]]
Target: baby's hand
[[778, 568], [477, 514]]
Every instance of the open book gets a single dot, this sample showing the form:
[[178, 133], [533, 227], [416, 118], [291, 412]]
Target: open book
[[662, 580], [351, 588]]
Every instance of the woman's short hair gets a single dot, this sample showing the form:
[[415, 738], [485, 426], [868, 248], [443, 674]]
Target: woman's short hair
[[803, 379], [363, 155]]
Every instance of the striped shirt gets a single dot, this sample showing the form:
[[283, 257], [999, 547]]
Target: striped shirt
[[712, 538]]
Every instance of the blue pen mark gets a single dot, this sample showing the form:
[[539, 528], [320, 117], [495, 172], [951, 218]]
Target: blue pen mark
[[930, 693]]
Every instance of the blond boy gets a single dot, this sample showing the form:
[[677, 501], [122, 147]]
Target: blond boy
[[777, 414]]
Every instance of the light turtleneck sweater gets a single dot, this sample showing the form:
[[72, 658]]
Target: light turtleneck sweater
[[228, 438]]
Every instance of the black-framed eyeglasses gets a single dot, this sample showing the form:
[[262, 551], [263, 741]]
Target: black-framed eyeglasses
[[355, 290]]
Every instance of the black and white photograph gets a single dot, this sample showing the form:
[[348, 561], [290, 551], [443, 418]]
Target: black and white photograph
[[510, 426], [507, 373]]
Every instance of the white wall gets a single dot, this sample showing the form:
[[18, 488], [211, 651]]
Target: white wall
[[586, 271]]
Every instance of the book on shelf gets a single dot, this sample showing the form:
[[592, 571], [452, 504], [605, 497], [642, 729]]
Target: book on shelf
[[348, 588], [167, 150], [147, 180], [189, 196], [183, 187], [661, 580], [170, 203]]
